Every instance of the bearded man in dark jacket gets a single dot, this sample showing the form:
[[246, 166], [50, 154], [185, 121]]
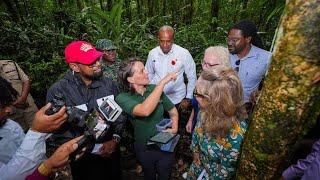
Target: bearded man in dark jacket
[[84, 86]]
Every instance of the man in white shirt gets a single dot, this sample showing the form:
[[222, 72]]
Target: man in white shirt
[[169, 57], [20, 154]]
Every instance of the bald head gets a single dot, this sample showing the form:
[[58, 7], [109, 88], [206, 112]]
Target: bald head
[[166, 38]]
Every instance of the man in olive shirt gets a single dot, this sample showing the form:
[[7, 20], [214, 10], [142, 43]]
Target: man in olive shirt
[[110, 61]]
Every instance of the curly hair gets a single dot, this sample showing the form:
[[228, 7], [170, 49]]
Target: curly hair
[[222, 89], [8, 94], [248, 28], [125, 71]]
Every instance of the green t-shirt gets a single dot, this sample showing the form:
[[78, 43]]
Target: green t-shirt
[[144, 127]]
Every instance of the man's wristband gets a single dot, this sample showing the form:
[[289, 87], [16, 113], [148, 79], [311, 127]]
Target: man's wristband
[[43, 170]]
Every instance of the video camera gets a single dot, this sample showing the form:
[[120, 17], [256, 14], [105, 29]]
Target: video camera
[[94, 124]]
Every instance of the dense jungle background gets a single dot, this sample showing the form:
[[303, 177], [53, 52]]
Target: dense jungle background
[[34, 32]]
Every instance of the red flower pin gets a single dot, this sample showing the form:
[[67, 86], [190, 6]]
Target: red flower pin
[[173, 61]]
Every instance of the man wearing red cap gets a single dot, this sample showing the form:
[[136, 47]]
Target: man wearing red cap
[[83, 86]]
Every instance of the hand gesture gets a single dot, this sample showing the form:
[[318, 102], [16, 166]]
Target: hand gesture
[[61, 156], [108, 148], [170, 76], [189, 125], [171, 130], [47, 123], [20, 103]]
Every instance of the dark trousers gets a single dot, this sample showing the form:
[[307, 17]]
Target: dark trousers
[[95, 167], [154, 161]]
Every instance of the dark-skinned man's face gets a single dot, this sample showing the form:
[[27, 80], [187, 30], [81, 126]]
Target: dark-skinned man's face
[[236, 41], [4, 112], [166, 40], [90, 72]]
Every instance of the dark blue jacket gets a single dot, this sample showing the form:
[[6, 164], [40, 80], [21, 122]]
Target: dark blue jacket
[[76, 93]]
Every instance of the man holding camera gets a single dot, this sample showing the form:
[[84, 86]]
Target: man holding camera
[[84, 87], [21, 153]]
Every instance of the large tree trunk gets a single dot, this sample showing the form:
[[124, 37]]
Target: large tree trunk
[[290, 100]]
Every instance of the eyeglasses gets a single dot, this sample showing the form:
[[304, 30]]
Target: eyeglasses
[[237, 65], [233, 40], [196, 94], [208, 64]]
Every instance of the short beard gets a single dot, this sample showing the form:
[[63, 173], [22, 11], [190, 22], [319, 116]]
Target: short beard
[[237, 50], [94, 76]]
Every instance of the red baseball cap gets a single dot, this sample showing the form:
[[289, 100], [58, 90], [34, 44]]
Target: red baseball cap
[[81, 52]]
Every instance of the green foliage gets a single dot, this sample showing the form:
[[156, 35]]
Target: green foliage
[[34, 33]]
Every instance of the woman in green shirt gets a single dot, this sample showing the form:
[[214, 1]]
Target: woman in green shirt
[[146, 104]]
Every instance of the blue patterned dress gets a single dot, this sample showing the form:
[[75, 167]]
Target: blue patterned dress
[[217, 157]]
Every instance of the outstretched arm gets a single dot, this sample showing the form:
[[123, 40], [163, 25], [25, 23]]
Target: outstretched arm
[[145, 108]]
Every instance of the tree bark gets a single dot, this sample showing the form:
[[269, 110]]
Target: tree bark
[[290, 101]]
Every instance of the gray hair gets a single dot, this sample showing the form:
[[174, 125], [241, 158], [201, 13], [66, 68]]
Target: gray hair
[[221, 52], [166, 28]]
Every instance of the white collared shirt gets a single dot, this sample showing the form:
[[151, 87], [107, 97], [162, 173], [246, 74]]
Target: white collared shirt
[[179, 60], [20, 154]]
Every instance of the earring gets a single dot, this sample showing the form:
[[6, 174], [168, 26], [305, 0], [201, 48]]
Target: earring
[[72, 72]]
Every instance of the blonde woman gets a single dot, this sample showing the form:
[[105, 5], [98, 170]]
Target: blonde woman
[[213, 56], [220, 128]]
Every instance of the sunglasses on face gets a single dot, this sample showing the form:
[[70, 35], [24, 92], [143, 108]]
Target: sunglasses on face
[[199, 95]]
